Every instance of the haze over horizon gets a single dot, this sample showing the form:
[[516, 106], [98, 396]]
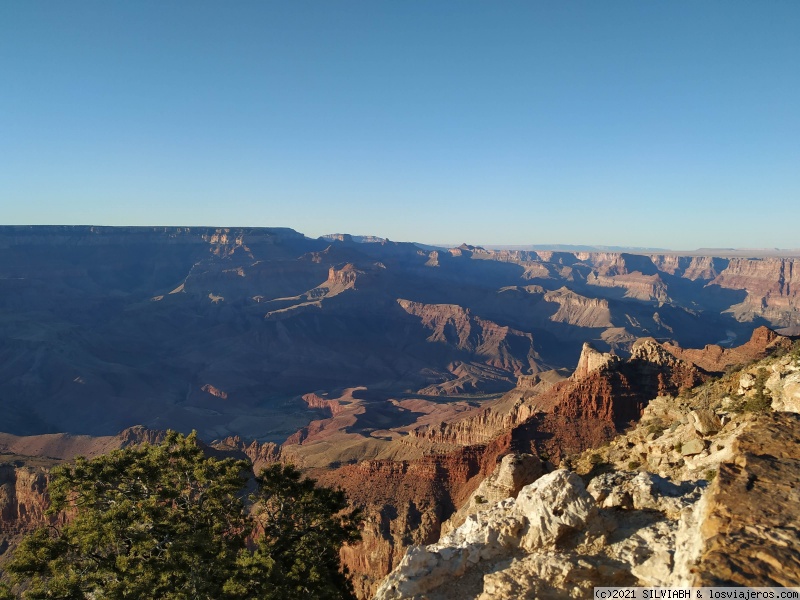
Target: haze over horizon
[[629, 124]]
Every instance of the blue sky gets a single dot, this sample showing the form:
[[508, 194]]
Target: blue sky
[[668, 124]]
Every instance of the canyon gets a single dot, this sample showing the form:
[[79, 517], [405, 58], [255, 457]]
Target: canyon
[[402, 373], [429, 480], [224, 330]]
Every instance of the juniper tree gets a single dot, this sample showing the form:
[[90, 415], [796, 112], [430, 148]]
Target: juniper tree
[[166, 521], [301, 528]]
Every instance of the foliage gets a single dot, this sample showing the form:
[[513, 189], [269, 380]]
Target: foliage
[[656, 428], [595, 459], [302, 528], [165, 521], [759, 401], [5, 592]]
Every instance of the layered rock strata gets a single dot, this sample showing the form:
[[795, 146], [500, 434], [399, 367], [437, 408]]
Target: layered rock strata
[[695, 495]]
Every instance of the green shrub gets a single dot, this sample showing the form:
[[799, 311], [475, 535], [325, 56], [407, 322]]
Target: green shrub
[[595, 459], [760, 401]]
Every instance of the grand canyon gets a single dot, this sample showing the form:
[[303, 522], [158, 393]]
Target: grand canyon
[[430, 383]]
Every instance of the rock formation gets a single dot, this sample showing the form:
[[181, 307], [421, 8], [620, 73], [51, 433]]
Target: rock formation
[[511, 475], [649, 516], [716, 359], [579, 310], [591, 360], [222, 329], [772, 288], [375, 365], [430, 484], [459, 328]]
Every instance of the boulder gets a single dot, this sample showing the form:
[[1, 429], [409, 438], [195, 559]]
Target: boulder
[[705, 421], [692, 447]]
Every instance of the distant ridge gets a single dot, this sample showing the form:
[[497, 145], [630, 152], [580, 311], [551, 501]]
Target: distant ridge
[[718, 252], [578, 248], [359, 239]]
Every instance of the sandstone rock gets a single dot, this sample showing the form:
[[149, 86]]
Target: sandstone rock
[[715, 359], [23, 497], [791, 393], [771, 284], [751, 529], [705, 421], [592, 360], [650, 350], [694, 446], [786, 396], [459, 327], [746, 381], [579, 310], [543, 576]]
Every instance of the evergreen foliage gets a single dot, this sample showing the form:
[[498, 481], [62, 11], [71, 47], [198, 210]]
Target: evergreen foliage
[[760, 401], [166, 521], [301, 527]]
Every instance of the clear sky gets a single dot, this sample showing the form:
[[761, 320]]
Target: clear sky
[[646, 123]]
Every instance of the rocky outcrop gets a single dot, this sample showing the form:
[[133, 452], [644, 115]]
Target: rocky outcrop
[[513, 473], [751, 524], [578, 310], [23, 503], [405, 503], [592, 360], [23, 497], [214, 391], [772, 285], [459, 328], [690, 267], [649, 288], [433, 259], [648, 516], [556, 539], [777, 383], [334, 407], [542, 514], [343, 278], [716, 359], [603, 393], [636, 274]]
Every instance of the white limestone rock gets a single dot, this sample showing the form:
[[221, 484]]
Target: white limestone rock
[[514, 472], [543, 512]]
